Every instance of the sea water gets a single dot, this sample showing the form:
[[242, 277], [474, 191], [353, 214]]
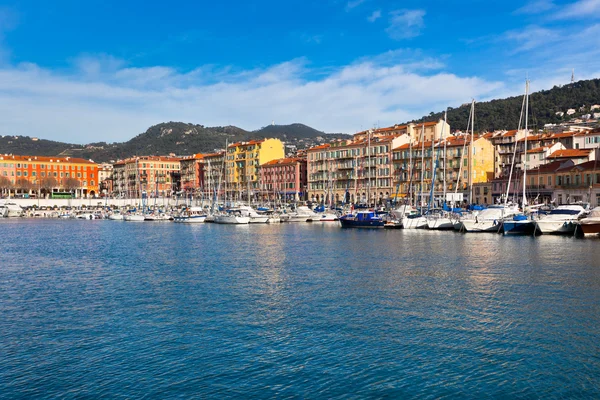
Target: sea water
[[160, 310]]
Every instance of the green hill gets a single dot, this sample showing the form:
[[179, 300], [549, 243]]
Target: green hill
[[504, 114]]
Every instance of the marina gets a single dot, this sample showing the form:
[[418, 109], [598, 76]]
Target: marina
[[304, 310]]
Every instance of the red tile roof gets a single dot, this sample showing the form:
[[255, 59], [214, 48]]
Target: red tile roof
[[73, 160], [570, 153], [320, 147], [284, 161]]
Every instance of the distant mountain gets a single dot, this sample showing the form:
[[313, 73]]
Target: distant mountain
[[504, 114], [170, 137]]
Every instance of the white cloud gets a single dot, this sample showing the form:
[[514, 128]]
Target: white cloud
[[532, 37], [584, 9], [536, 7], [353, 4], [374, 16], [405, 24], [116, 103]]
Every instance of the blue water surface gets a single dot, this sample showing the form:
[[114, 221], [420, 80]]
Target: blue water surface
[[161, 310]]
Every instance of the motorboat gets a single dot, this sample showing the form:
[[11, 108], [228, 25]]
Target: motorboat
[[255, 217], [232, 218], [489, 219], [563, 220], [134, 218], [362, 219], [302, 214], [11, 210], [590, 225], [326, 217], [519, 224]]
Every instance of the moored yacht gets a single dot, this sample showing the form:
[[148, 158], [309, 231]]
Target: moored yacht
[[489, 219], [11, 210], [590, 225], [562, 220], [362, 219]]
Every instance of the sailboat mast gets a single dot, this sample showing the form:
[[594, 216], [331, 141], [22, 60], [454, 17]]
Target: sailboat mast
[[512, 164], [444, 160], [369, 169], [471, 152], [422, 163], [410, 171], [525, 149]]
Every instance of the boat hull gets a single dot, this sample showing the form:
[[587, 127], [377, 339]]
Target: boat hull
[[590, 229], [440, 224], [518, 227], [556, 227], [232, 220], [481, 225], [414, 223]]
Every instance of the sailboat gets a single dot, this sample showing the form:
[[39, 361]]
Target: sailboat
[[439, 219], [409, 216], [522, 224]]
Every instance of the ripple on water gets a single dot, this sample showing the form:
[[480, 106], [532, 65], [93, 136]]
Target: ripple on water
[[102, 308]]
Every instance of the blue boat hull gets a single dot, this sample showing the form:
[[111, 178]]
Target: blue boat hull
[[348, 223], [518, 227]]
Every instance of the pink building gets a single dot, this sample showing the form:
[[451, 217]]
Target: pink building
[[285, 177]]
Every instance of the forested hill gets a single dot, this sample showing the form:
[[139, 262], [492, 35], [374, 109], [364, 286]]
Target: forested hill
[[170, 137], [504, 114]]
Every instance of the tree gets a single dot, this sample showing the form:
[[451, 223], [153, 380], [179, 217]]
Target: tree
[[48, 183], [70, 184], [23, 184], [5, 184]]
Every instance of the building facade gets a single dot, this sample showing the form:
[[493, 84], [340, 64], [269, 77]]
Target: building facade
[[41, 176], [192, 173], [149, 175], [243, 161], [285, 179]]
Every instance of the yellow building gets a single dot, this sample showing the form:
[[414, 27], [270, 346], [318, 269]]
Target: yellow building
[[244, 160]]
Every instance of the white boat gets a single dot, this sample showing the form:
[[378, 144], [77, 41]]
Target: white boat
[[440, 221], [134, 218], [489, 219], [274, 219], [11, 210], [232, 218], [302, 214], [590, 225], [414, 221], [84, 215], [116, 216], [326, 217], [562, 220], [157, 217], [255, 217]]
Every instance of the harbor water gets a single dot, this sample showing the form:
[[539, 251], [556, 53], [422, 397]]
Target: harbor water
[[125, 310]]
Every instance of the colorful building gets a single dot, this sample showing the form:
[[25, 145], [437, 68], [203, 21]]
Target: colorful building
[[463, 163], [284, 178], [42, 176], [243, 164], [192, 173], [357, 170], [150, 175]]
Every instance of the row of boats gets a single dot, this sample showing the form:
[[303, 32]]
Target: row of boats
[[507, 219]]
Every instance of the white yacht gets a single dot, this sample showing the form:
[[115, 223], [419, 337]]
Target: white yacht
[[11, 210], [489, 219], [192, 215], [255, 217], [302, 214], [232, 218], [562, 220], [590, 225], [134, 217]]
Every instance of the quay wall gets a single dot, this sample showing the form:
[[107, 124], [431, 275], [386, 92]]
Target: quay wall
[[78, 203]]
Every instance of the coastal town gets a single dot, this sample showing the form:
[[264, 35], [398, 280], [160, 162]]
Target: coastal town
[[374, 167]]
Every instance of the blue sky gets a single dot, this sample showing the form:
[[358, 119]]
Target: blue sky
[[106, 70]]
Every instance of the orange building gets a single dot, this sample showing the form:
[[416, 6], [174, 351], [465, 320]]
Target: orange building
[[41, 176]]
